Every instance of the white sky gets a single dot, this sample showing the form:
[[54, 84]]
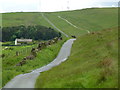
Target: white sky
[[51, 5]]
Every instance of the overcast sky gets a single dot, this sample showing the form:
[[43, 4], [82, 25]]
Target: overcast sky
[[52, 5]]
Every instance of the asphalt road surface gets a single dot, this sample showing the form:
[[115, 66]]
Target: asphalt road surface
[[28, 80]]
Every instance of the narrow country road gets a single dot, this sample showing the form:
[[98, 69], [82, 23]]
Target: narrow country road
[[28, 80]]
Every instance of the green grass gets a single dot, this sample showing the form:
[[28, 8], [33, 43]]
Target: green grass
[[44, 57], [21, 18], [88, 19], [0, 73], [92, 19], [93, 64], [85, 67]]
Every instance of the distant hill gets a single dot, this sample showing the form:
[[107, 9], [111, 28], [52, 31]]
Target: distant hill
[[92, 19]]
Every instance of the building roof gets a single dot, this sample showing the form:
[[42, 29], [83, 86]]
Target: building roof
[[24, 40]]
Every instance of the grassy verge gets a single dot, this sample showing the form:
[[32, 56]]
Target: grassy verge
[[93, 64], [43, 57]]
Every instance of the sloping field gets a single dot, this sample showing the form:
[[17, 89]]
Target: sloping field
[[22, 18], [93, 64], [88, 19], [93, 61], [85, 20]]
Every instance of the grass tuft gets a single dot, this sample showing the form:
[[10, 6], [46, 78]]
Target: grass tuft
[[107, 62]]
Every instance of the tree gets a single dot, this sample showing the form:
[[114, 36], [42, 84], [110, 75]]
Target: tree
[[34, 32]]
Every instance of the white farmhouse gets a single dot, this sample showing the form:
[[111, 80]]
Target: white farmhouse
[[19, 41]]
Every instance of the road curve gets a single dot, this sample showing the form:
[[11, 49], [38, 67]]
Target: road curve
[[28, 80]]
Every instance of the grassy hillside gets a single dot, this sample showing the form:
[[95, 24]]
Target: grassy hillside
[[93, 61], [27, 19], [93, 64], [88, 19], [10, 60]]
